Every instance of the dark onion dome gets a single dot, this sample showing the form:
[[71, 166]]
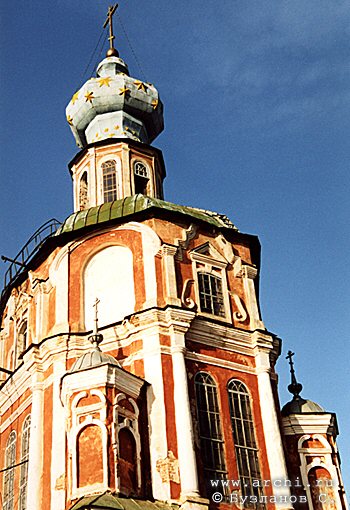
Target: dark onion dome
[[299, 405]]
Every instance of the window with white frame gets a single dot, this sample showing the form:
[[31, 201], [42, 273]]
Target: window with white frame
[[209, 271], [141, 177], [210, 433], [210, 294], [245, 443], [109, 174], [23, 481], [9, 475]]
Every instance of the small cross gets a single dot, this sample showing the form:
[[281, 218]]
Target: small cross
[[95, 305], [290, 358], [294, 387], [109, 20]]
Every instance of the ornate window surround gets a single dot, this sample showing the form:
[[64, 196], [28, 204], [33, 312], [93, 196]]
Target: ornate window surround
[[207, 259], [81, 418], [318, 453]]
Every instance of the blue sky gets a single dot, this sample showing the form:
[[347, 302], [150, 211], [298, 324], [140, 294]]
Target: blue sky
[[257, 116]]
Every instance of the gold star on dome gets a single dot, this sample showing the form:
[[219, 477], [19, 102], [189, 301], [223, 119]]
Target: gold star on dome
[[155, 103], [89, 96], [104, 81], [69, 120], [140, 85], [75, 97], [124, 91], [116, 127]]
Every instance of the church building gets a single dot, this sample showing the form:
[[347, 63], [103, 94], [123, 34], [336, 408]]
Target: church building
[[136, 372]]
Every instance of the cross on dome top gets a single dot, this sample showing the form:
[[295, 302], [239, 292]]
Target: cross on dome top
[[294, 387], [96, 337], [112, 52]]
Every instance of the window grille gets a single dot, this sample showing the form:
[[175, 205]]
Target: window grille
[[109, 181], [9, 475], [210, 294], [24, 467], [140, 178], [211, 439], [245, 443], [140, 169]]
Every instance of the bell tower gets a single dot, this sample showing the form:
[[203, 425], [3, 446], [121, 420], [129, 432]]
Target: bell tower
[[114, 118]]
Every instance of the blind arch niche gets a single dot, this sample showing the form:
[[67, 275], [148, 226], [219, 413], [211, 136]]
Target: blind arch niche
[[109, 276]]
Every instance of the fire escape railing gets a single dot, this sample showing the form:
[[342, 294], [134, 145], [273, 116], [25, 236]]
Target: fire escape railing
[[19, 263]]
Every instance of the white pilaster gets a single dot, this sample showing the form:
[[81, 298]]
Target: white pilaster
[[59, 272], [273, 440], [58, 446], [183, 420], [169, 252], [36, 443], [156, 412], [249, 274]]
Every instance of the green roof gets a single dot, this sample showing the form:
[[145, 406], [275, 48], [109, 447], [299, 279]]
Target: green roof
[[108, 500], [130, 205]]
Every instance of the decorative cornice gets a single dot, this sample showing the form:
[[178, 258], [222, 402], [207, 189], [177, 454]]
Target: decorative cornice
[[310, 423]]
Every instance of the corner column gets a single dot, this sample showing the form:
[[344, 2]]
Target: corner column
[[35, 463], [184, 427], [272, 434], [183, 420]]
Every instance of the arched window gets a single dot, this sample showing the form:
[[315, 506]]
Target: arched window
[[109, 174], [141, 177], [24, 466], [127, 462], [83, 192], [210, 294], [9, 475], [211, 439], [22, 338], [244, 439]]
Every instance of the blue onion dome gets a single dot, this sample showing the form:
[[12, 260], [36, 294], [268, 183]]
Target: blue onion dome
[[115, 105]]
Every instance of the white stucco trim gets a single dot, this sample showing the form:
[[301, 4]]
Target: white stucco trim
[[272, 435], [36, 443]]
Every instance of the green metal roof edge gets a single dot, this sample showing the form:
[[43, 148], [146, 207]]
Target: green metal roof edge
[[108, 500], [134, 204]]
